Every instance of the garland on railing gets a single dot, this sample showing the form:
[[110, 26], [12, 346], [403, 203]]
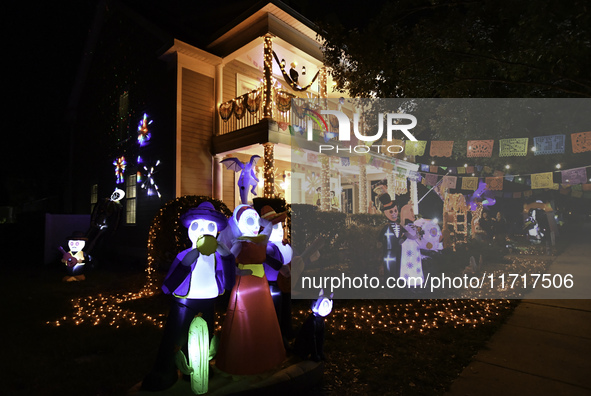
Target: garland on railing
[[289, 80], [250, 102]]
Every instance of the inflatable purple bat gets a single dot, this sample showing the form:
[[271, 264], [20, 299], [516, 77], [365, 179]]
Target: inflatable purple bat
[[481, 195], [247, 177]]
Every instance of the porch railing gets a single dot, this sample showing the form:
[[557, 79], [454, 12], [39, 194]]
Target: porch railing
[[247, 110]]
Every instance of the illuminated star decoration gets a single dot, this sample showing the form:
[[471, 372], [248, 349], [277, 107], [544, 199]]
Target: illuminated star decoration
[[311, 183], [148, 184], [143, 134], [120, 165]]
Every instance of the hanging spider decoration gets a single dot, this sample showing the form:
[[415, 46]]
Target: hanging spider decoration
[[149, 185], [120, 165], [143, 133]]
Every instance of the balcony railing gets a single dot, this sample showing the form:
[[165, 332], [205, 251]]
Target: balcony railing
[[247, 110]]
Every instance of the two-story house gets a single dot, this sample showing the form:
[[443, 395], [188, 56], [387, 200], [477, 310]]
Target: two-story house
[[158, 104]]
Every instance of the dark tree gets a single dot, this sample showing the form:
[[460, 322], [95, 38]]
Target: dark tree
[[455, 48]]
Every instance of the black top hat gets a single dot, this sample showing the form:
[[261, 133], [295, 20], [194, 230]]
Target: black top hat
[[77, 236], [386, 202]]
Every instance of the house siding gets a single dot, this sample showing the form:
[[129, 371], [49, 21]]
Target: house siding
[[230, 71], [196, 131]]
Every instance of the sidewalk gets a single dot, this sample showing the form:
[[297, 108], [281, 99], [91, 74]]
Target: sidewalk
[[544, 348]]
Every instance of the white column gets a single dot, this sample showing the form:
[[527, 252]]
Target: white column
[[362, 188]]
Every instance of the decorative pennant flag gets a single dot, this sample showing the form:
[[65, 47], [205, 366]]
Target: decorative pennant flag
[[513, 147], [576, 194], [553, 144], [541, 180], [509, 177], [517, 194], [587, 187], [469, 169], [402, 172], [461, 170], [415, 148], [449, 182], [507, 195], [433, 169], [480, 148], [453, 170], [431, 179], [469, 183], [574, 176], [441, 148], [581, 142], [487, 169], [414, 176], [494, 183], [498, 173], [424, 168], [527, 193]]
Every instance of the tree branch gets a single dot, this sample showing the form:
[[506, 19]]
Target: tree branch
[[525, 83]]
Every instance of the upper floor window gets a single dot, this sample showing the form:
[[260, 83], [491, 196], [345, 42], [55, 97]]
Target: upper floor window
[[130, 199]]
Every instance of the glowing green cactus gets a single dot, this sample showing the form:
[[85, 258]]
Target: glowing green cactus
[[198, 364]]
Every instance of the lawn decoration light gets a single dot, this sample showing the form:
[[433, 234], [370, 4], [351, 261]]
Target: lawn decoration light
[[143, 134], [481, 195], [120, 165], [198, 365], [251, 341], [247, 175], [280, 250], [195, 279], [149, 185], [310, 339], [75, 258]]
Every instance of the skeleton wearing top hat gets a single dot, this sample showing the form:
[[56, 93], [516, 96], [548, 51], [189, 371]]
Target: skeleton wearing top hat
[[391, 237]]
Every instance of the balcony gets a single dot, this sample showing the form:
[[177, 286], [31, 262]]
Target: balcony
[[247, 110]]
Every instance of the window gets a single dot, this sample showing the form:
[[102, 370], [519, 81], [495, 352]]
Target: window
[[93, 197], [130, 197]]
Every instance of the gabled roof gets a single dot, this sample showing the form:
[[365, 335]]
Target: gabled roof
[[267, 16]]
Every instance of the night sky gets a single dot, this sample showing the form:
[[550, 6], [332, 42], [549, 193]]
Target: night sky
[[44, 46], [45, 42]]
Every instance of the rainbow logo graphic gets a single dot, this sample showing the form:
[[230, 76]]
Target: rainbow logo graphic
[[320, 121]]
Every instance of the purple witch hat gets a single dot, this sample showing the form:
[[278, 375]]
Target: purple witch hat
[[204, 211]]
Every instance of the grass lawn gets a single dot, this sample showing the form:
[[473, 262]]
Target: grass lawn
[[389, 347]]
